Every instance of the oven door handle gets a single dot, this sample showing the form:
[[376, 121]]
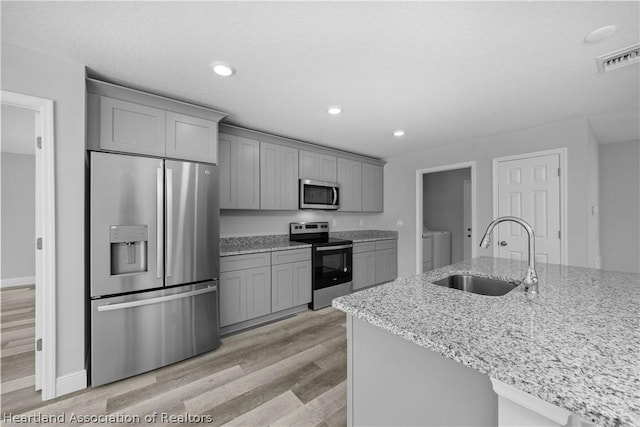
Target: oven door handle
[[333, 248]]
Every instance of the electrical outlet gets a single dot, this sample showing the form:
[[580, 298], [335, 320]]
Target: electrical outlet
[[361, 222], [334, 223], [399, 223]]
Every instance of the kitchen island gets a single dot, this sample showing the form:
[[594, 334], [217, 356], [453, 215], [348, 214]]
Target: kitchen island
[[440, 354]]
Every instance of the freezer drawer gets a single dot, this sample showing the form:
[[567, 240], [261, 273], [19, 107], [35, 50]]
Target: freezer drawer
[[137, 333]]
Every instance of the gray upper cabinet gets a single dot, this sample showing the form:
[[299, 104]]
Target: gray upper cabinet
[[316, 166], [372, 191], [278, 177], [350, 180], [191, 138], [239, 160], [130, 121], [132, 128]]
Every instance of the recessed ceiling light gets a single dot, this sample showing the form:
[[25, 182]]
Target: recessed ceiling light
[[600, 34], [398, 132], [222, 68], [334, 109]]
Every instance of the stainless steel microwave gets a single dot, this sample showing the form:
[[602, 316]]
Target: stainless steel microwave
[[319, 195]]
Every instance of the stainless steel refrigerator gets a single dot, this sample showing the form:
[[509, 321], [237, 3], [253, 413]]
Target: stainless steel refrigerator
[[154, 264]]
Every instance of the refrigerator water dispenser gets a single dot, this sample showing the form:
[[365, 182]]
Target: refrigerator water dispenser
[[128, 249]]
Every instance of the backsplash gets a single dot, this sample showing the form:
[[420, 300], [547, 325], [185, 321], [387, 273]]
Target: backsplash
[[255, 223]]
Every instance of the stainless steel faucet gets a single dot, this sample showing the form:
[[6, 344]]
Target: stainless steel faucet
[[531, 277]]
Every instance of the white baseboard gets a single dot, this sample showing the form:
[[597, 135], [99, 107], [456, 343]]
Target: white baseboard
[[17, 281], [71, 382]]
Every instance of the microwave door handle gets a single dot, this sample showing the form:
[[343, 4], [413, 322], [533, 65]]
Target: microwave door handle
[[335, 195]]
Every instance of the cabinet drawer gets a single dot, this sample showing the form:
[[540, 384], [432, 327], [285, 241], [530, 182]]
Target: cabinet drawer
[[292, 255], [241, 262], [385, 244], [364, 247]]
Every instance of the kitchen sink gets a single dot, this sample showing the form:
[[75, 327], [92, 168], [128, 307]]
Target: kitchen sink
[[478, 285]]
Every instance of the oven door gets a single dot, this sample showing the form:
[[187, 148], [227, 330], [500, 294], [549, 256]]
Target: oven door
[[319, 195], [332, 265]]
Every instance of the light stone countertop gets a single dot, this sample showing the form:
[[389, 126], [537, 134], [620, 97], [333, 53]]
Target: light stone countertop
[[255, 244], [576, 346], [359, 236], [280, 242]]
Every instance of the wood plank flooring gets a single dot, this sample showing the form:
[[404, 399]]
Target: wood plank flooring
[[289, 373]]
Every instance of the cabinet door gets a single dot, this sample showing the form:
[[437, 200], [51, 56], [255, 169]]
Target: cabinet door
[[226, 166], [371, 188], [191, 138], [302, 282], [386, 265], [364, 269], [270, 176], [282, 284], [232, 298], [350, 180], [131, 128], [258, 292], [317, 166], [289, 183], [247, 173], [327, 166]]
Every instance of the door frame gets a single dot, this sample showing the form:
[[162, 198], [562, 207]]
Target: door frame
[[562, 152], [45, 177], [419, 212]]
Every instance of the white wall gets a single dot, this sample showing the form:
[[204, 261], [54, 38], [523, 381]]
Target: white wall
[[443, 206], [400, 183], [251, 223], [43, 76], [620, 206], [18, 206]]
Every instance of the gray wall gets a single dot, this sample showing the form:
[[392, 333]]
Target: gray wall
[[400, 184], [18, 206], [620, 206], [443, 205], [251, 223], [40, 75]]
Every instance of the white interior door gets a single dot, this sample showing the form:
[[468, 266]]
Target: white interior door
[[467, 231], [529, 188], [38, 257]]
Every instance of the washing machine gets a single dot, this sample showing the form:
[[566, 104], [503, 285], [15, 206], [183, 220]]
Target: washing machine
[[436, 249]]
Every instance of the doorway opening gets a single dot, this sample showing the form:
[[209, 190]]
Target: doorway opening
[[28, 245], [445, 217]]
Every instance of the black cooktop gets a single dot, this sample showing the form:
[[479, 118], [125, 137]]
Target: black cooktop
[[316, 233]]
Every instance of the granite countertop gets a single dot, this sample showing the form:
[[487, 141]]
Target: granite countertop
[[364, 235], [280, 242], [576, 346], [255, 244]]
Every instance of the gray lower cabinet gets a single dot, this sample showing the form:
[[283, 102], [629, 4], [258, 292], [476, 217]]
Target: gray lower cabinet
[[256, 285], [290, 279], [245, 287], [372, 191], [364, 269], [374, 262], [278, 177], [386, 261], [239, 172]]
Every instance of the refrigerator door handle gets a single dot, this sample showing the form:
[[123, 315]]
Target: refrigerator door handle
[[123, 305], [169, 262], [159, 222]]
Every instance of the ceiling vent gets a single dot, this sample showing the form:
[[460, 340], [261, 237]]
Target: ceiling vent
[[619, 58]]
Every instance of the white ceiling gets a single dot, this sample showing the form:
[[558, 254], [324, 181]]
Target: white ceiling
[[443, 71], [18, 130]]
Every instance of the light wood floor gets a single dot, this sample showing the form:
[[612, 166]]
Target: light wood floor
[[291, 372]]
